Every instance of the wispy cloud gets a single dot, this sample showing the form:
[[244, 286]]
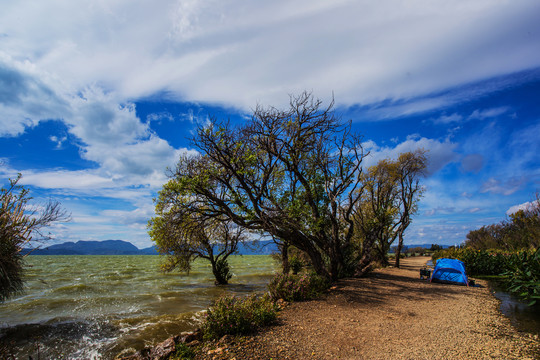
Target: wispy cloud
[[504, 187]]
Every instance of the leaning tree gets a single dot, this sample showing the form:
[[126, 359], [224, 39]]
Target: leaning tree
[[291, 174], [184, 237]]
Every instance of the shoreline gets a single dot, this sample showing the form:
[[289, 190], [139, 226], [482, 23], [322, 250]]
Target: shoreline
[[390, 313]]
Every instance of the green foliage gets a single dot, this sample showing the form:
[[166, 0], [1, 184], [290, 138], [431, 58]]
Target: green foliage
[[296, 287], [231, 315], [520, 270], [182, 237], [222, 272], [390, 194], [520, 232], [296, 264], [522, 275], [435, 247], [477, 262], [20, 224], [183, 352]]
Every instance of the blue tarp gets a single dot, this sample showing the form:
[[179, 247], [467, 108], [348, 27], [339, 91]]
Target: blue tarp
[[450, 271]]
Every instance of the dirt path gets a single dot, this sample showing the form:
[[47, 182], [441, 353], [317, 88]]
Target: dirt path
[[391, 314]]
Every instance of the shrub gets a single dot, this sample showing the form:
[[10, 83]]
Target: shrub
[[183, 352], [522, 276], [231, 315], [297, 288], [296, 264], [223, 272], [477, 262], [520, 270]]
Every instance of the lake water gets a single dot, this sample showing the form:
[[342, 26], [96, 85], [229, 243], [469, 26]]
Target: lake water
[[523, 317], [94, 307]]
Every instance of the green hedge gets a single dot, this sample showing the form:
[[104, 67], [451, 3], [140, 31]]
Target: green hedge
[[477, 262]]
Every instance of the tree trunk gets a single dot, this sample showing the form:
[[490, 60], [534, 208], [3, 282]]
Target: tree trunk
[[318, 263], [365, 264], [399, 248]]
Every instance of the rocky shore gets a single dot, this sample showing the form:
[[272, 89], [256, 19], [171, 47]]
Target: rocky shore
[[390, 314]]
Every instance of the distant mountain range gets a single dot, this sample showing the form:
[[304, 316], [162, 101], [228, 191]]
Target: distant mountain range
[[121, 247]]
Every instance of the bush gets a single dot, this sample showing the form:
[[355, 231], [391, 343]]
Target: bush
[[223, 272], [477, 262], [297, 288], [230, 315], [296, 264], [522, 276], [520, 270], [183, 352]]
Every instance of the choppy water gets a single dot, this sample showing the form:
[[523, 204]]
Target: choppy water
[[93, 307]]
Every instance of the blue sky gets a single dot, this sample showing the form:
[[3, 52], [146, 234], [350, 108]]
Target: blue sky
[[98, 98]]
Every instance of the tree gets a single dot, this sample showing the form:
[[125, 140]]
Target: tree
[[410, 167], [290, 174], [184, 237], [435, 247], [390, 194], [375, 214], [519, 232], [20, 225]]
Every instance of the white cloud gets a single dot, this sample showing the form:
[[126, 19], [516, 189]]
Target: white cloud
[[525, 206], [488, 113], [447, 119], [239, 53], [88, 63], [439, 154], [62, 179]]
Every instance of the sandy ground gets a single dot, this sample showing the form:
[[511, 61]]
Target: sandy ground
[[391, 314]]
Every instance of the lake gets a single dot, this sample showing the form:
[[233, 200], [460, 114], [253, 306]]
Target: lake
[[94, 307]]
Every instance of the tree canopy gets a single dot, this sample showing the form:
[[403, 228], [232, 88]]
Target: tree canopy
[[288, 173], [519, 232], [295, 175]]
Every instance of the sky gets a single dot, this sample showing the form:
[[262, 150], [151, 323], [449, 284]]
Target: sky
[[98, 98]]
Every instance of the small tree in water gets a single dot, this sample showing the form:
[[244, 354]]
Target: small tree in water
[[183, 238]]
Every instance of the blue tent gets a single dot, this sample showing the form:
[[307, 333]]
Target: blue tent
[[449, 271]]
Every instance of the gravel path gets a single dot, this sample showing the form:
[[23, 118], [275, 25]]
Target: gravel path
[[391, 314]]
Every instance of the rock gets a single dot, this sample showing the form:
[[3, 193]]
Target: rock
[[194, 335], [215, 352], [282, 304], [139, 355], [225, 339], [165, 349], [161, 351]]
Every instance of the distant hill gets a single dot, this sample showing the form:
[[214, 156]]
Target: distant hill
[[121, 247], [266, 247], [425, 246], [106, 247]]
